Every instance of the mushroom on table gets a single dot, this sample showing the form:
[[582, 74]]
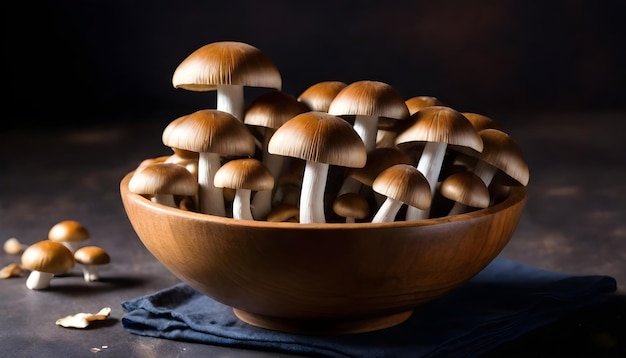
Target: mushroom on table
[[71, 233], [91, 257], [45, 259]]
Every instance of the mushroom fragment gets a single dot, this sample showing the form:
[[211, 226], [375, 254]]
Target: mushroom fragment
[[91, 257], [45, 259], [82, 320], [11, 270]]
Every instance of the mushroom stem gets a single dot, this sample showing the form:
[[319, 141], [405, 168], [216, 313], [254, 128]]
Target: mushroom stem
[[387, 211], [230, 99], [90, 273], [485, 171], [367, 128], [261, 204], [457, 208], [241, 204], [164, 199], [73, 245], [312, 193], [429, 165], [38, 280], [210, 197]]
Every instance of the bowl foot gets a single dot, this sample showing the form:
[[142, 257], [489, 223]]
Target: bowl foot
[[323, 326]]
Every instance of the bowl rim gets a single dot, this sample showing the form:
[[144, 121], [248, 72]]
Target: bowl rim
[[516, 194]]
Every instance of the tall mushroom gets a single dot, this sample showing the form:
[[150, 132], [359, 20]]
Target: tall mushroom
[[400, 184], [226, 67], [321, 140], [45, 259], [211, 133], [70, 233], [245, 175], [319, 96], [163, 182], [269, 111], [438, 127]]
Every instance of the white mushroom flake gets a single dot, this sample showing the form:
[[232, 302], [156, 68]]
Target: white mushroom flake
[[82, 320]]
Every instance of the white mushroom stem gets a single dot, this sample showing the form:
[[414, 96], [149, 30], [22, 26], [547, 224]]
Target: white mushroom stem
[[90, 273], [387, 211], [164, 199], [210, 197], [312, 192], [367, 128], [457, 208], [230, 99], [73, 245], [485, 171], [429, 165], [241, 204], [38, 280], [261, 204]]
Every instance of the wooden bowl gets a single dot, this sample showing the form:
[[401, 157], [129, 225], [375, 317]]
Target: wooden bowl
[[323, 278]]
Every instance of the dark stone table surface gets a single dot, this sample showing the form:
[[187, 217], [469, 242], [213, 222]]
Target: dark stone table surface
[[574, 221]]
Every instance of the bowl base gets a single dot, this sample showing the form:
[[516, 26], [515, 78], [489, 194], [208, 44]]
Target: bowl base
[[323, 326]]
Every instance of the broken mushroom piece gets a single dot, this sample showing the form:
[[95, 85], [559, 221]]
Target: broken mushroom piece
[[45, 259], [245, 176], [82, 320], [70, 233], [401, 184], [321, 140], [91, 257], [226, 67], [11, 270]]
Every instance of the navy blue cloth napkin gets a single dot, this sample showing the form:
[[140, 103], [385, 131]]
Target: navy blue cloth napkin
[[501, 303]]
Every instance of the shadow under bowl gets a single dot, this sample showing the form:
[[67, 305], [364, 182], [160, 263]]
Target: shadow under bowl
[[331, 278]]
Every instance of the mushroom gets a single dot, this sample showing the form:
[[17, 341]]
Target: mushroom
[[351, 206], [417, 103], [467, 190], [270, 111], [480, 121], [438, 127], [71, 233], [162, 182], [226, 67], [400, 183], [45, 259], [284, 212], [211, 133], [13, 246], [321, 140], [244, 175], [91, 257], [319, 95]]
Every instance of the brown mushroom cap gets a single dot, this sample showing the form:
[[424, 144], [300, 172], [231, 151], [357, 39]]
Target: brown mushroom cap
[[226, 63], [480, 121], [47, 256], [466, 188], [92, 255], [164, 178], [405, 183], [210, 130], [284, 212], [273, 109], [417, 103], [378, 160], [68, 230], [351, 205], [245, 173], [319, 95], [319, 137]]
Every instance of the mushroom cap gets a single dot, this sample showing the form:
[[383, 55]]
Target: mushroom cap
[[244, 173], [502, 152], [405, 183], [273, 109], [163, 178], [466, 188], [370, 98], [284, 212], [47, 256], [92, 255], [351, 205], [226, 63], [441, 124], [378, 160], [480, 121], [319, 137], [417, 103], [68, 230], [210, 130], [319, 95]]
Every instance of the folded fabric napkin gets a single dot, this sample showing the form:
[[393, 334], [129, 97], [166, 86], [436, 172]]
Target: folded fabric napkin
[[501, 303]]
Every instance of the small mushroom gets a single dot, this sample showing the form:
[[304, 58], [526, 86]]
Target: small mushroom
[[162, 182], [401, 184], [284, 212], [91, 257], [321, 140], [244, 175], [467, 190], [351, 206], [45, 259], [319, 96], [70, 233], [13, 246]]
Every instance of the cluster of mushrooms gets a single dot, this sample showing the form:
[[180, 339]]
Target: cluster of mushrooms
[[65, 247], [338, 152]]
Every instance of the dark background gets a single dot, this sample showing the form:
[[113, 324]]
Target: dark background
[[88, 62]]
